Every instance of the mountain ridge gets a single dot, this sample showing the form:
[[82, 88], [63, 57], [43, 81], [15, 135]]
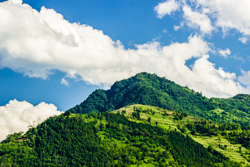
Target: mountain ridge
[[149, 89]]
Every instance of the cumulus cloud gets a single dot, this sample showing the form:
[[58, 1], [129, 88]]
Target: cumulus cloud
[[197, 19], [166, 8], [225, 53], [206, 71], [34, 43], [229, 14], [16, 1], [212, 14], [16, 116]]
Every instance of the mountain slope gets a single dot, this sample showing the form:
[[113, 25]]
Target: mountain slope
[[106, 139], [149, 89], [232, 140]]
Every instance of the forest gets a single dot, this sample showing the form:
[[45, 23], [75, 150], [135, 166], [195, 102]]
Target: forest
[[149, 89], [105, 139]]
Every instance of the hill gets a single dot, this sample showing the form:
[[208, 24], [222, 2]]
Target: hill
[[121, 138], [232, 140], [149, 89], [174, 128]]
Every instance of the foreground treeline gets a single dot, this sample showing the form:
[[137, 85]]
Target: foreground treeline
[[149, 89], [104, 139]]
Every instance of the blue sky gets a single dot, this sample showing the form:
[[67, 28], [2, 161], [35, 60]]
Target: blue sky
[[61, 53]]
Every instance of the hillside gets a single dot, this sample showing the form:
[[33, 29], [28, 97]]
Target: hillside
[[149, 89], [174, 127], [232, 140], [121, 138]]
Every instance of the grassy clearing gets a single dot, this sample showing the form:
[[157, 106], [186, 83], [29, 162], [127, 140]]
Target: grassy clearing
[[220, 144], [224, 146]]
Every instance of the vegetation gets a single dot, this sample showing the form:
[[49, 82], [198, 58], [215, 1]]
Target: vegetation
[[231, 140], [149, 89], [106, 139], [175, 127]]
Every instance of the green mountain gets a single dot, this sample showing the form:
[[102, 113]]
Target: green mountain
[[149, 89], [127, 137], [174, 128]]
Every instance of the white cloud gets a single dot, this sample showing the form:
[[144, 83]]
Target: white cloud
[[197, 19], [243, 40], [245, 78], [239, 58], [225, 53], [64, 82], [16, 116], [215, 77], [16, 1], [34, 43], [231, 14], [213, 14], [166, 8], [176, 28]]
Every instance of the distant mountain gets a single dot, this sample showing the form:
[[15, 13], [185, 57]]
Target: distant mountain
[[149, 89]]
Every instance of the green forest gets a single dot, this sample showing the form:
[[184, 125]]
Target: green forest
[[149, 89], [105, 139]]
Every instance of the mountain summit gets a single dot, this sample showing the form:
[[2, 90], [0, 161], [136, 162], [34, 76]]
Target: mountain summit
[[150, 89]]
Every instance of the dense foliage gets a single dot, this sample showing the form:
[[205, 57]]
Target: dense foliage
[[104, 139], [234, 132], [149, 89], [226, 139]]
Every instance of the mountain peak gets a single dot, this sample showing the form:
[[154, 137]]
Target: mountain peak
[[150, 89]]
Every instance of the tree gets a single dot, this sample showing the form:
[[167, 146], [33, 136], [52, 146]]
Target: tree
[[67, 113], [210, 148]]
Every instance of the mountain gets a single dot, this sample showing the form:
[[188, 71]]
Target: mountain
[[149, 89], [164, 132], [132, 136]]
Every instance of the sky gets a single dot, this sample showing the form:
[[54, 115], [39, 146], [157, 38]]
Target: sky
[[55, 53]]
